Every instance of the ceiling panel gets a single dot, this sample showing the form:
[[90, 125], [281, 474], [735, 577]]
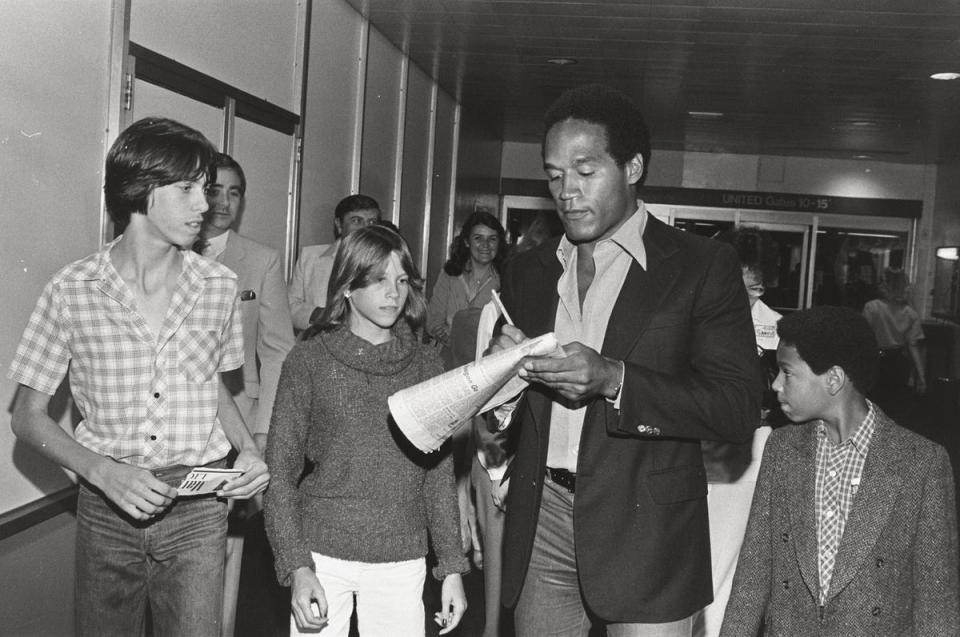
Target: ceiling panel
[[832, 78]]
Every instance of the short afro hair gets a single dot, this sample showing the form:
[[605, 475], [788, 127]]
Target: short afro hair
[[826, 335], [627, 134]]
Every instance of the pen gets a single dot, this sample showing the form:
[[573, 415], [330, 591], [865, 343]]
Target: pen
[[503, 310]]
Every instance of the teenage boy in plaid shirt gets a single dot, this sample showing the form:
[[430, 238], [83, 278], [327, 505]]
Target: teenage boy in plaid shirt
[[147, 328], [853, 528]]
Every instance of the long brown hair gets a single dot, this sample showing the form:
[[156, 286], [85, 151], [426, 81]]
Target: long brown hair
[[360, 259]]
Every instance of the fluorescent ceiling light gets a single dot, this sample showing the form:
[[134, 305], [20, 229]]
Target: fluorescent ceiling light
[[705, 114], [950, 254], [945, 76], [561, 61]]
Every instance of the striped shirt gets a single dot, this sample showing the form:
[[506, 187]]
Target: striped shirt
[[148, 400], [838, 472]]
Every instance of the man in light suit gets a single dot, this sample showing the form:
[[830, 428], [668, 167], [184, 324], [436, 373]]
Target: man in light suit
[[308, 287], [607, 506], [267, 329], [853, 528]]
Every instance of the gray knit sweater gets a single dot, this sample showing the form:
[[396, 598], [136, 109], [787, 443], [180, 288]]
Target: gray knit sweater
[[371, 496]]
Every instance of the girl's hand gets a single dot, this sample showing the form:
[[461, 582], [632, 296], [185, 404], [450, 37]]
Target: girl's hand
[[307, 601], [453, 603]]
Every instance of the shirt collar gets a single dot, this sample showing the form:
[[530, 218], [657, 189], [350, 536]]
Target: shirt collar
[[216, 245], [629, 237], [860, 440]]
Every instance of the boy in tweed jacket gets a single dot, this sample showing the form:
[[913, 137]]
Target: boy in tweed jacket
[[853, 529]]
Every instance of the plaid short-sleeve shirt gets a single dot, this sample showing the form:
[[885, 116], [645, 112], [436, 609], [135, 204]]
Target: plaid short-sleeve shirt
[[148, 400]]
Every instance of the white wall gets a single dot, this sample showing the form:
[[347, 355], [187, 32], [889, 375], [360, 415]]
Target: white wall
[[54, 59], [367, 128], [331, 114], [251, 44], [52, 145]]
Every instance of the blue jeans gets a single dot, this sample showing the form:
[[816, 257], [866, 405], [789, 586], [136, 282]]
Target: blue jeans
[[174, 563], [550, 602]]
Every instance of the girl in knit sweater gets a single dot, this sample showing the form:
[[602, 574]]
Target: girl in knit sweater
[[357, 523]]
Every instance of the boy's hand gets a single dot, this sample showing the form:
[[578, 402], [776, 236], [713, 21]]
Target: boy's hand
[[307, 600], [136, 491], [453, 603], [254, 479]]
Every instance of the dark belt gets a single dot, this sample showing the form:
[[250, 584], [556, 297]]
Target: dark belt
[[566, 479]]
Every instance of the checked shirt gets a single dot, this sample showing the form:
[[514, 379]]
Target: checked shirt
[[146, 399], [839, 469]]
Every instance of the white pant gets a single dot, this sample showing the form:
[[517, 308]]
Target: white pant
[[389, 597], [729, 507]]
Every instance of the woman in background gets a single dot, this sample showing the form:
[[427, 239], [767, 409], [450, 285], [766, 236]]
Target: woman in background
[[469, 277], [358, 522]]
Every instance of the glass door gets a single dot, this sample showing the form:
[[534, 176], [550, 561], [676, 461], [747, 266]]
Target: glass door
[[850, 256]]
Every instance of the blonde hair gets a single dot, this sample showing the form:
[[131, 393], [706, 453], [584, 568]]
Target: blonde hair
[[361, 257]]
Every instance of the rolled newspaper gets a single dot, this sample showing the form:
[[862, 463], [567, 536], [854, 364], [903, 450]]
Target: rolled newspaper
[[430, 412]]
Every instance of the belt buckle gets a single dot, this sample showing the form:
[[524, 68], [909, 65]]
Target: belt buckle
[[563, 478]]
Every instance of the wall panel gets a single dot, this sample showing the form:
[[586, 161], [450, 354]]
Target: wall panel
[[330, 116], [417, 156], [440, 210], [380, 126], [264, 155], [53, 97], [216, 38]]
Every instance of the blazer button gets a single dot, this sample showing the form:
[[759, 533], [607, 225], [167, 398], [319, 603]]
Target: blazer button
[[786, 584], [876, 611], [785, 537], [879, 562], [655, 431], [642, 429]]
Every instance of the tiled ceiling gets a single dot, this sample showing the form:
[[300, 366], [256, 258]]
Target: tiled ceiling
[[822, 78]]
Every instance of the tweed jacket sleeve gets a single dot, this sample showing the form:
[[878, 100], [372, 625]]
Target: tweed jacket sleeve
[[936, 593], [750, 595]]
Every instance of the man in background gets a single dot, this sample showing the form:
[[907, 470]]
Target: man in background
[[267, 337], [308, 287]]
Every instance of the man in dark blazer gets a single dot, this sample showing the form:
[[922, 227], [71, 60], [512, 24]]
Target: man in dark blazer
[[267, 337], [607, 510]]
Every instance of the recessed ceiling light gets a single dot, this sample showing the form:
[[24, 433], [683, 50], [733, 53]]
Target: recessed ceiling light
[[705, 114], [945, 76], [863, 124], [561, 61], [863, 156]]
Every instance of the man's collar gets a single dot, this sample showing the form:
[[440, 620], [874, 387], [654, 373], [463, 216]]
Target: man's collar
[[216, 245], [629, 237]]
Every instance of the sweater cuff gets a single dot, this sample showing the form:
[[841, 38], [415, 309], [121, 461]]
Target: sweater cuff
[[446, 567], [286, 568]]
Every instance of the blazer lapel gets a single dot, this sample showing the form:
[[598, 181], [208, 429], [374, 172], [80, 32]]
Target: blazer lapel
[[873, 504], [643, 292], [801, 465]]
